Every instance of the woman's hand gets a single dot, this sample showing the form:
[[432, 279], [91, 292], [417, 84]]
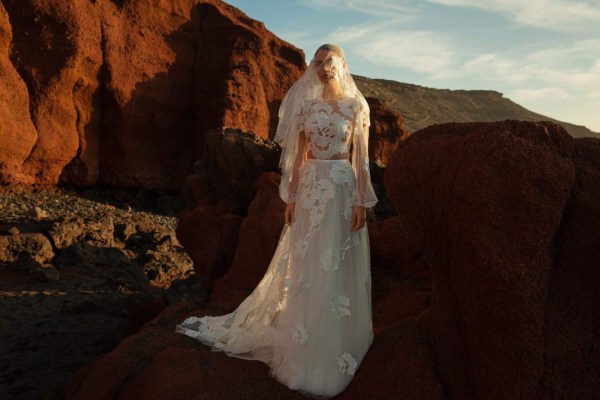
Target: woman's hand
[[289, 213], [359, 216]]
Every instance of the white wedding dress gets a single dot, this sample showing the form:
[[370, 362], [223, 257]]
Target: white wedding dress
[[309, 318]]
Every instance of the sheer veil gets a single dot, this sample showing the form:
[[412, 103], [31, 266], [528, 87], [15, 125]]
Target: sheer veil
[[307, 88]]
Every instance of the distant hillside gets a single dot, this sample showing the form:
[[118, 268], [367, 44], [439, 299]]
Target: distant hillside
[[422, 106]]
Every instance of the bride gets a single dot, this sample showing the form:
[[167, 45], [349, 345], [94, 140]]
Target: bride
[[309, 318]]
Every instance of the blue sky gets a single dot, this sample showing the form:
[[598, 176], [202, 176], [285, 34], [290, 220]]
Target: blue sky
[[542, 54]]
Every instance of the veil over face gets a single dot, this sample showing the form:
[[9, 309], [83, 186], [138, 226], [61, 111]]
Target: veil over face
[[310, 87]]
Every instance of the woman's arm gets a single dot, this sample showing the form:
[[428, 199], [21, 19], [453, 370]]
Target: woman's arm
[[364, 195]]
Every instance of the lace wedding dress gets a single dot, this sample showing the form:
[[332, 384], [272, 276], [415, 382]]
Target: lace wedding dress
[[309, 318]]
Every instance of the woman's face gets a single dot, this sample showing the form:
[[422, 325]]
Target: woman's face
[[326, 65]]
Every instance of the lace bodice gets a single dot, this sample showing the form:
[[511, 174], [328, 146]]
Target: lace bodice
[[327, 127], [332, 130]]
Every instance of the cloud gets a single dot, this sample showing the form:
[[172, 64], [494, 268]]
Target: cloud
[[297, 37], [381, 8], [573, 66], [383, 44], [558, 15]]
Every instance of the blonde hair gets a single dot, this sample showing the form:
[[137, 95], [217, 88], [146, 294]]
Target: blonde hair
[[333, 48]]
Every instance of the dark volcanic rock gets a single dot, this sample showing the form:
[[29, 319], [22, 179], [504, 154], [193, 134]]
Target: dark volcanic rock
[[35, 245], [219, 191], [495, 209], [231, 162]]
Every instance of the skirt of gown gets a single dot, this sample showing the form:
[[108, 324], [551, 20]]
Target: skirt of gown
[[309, 319]]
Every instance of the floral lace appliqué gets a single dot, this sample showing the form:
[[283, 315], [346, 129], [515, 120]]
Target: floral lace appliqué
[[328, 128], [299, 333], [347, 364], [342, 173], [303, 281], [330, 260], [339, 306]]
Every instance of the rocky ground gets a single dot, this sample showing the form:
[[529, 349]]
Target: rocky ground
[[80, 269]]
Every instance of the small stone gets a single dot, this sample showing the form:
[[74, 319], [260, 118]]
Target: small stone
[[37, 213], [14, 231]]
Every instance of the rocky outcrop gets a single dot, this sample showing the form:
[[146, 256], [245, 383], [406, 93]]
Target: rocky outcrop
[[386, 131], [258, 237], [504, 216], [218, 193], [56, 52], [17, 134], [494, 211], [123, 92]]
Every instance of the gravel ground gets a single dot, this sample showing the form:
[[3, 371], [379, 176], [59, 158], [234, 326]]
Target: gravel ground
[[50, 328], [18, 203]]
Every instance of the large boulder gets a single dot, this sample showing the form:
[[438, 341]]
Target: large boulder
[[502, 214], [572, 325], [231, 162]]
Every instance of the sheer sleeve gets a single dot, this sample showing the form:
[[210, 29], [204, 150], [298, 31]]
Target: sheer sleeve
[[291, 168], [364, 195]]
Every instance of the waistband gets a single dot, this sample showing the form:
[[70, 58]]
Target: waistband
[[317, 160]]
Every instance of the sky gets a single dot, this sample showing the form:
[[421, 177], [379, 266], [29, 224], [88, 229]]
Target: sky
[[542, 54]]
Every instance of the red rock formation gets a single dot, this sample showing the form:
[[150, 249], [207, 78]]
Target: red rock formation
[[571, 351], [257, 241], [56, 49], [168, 365], [386, 131], [392, 247], [209, 235], [123, 92], [17, 133], [219, 192], [495, 209]]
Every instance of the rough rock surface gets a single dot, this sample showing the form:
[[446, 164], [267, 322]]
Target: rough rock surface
[[386, 131], [218, 194], [494, 211], [503, 216], [123, 92], [258, 237], [17, 132], [78, 280]]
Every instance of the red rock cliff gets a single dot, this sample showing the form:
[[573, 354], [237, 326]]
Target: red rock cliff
[[123, 92]]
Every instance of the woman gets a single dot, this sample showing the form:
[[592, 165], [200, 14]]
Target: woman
[[309, 318]]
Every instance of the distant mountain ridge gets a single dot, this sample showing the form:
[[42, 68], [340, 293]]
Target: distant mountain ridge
[[422, 106]]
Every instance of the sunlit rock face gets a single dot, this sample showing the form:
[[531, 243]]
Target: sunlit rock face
[[123, 92]]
